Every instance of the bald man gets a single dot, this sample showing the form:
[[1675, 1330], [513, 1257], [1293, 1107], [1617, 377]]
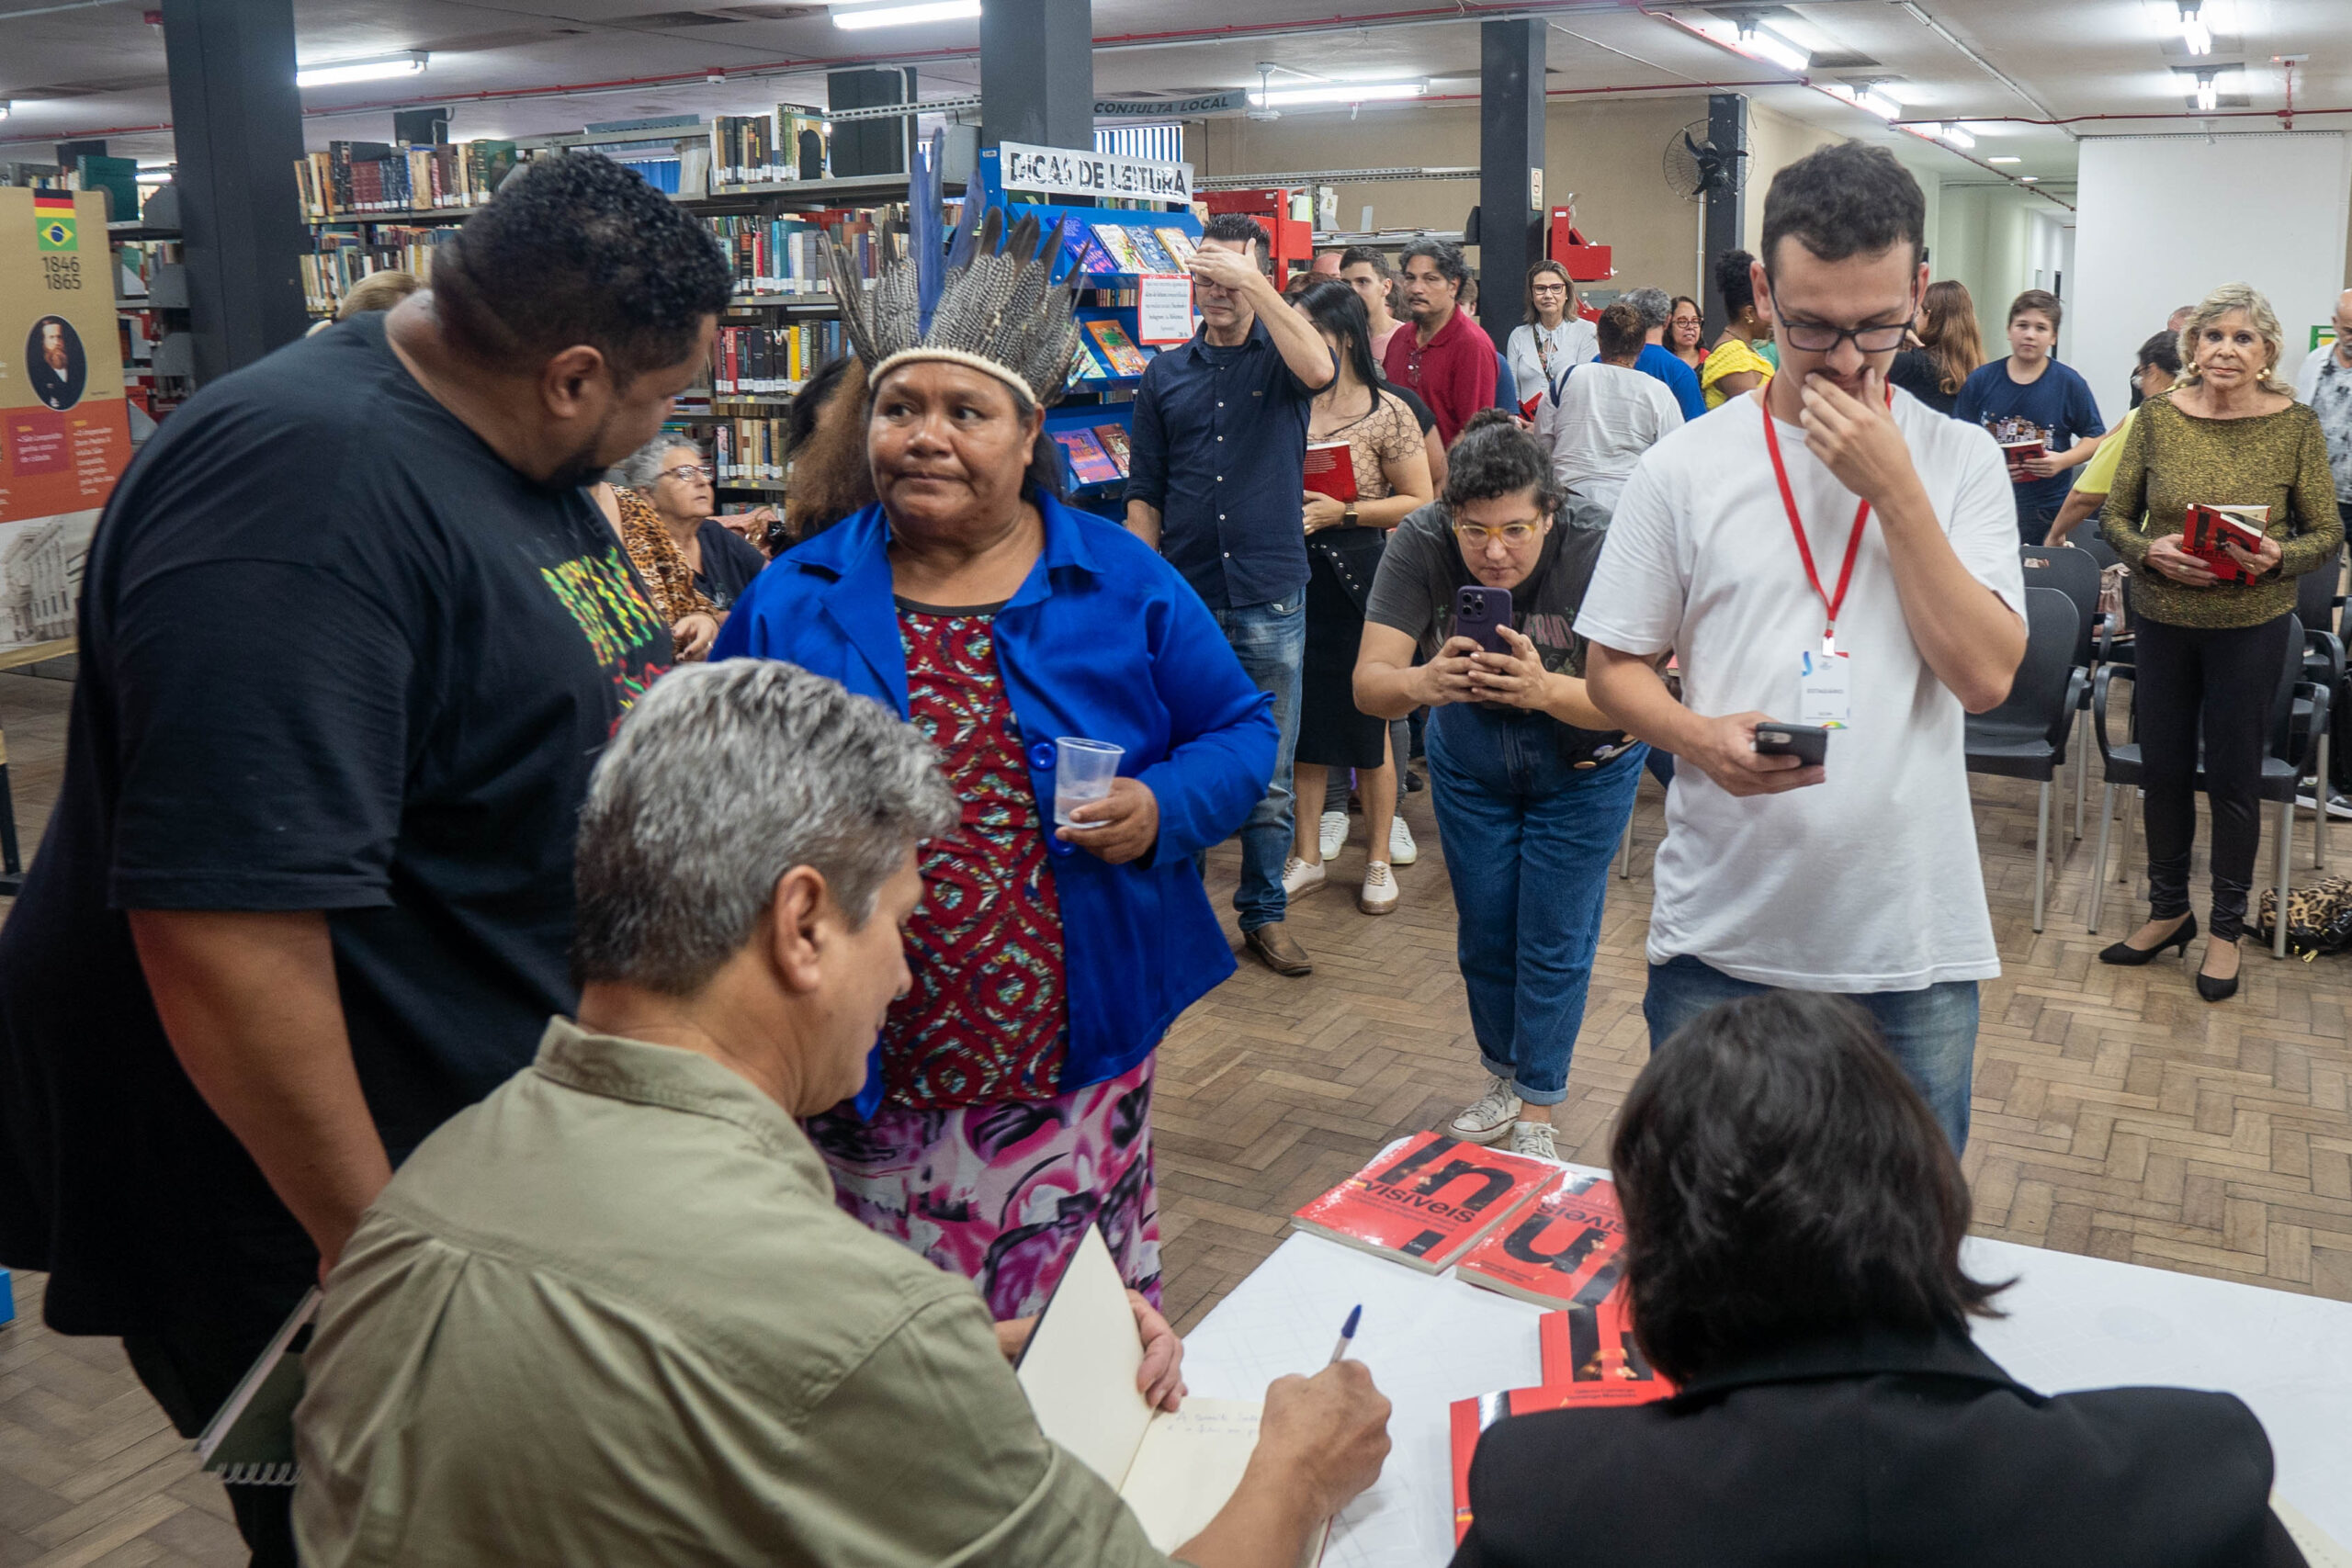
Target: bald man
[[2325, 383]]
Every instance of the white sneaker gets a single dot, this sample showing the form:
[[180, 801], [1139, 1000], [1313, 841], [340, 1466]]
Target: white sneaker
[[1299, 878], [1402, 851], [1533, 1138], [1379, 895], [1490, 1120], [1333, 831]]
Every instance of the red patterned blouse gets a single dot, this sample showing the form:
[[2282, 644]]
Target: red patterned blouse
[[989, 1017]]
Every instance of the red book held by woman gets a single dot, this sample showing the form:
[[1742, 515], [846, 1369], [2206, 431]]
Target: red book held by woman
[[1332, 471]]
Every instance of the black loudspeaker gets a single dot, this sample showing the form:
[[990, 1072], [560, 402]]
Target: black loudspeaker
[[419, 128]]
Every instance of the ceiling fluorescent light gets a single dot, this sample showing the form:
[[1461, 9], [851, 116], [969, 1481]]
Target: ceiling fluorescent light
[[404, 65], [2208, 97], [1766, 44], [2194, 33], [1954, 136], [1880, 102], [2028, 179], [905, 15], [2005, 160], [1339, 92]]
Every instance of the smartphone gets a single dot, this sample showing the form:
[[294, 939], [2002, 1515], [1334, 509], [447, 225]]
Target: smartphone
[[1480, 614], [1809, 743]]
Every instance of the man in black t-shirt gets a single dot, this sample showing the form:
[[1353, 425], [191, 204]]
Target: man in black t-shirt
[[352, 637]]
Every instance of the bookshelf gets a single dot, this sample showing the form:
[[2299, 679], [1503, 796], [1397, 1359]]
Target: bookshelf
[[150, 301], [1110, 254]]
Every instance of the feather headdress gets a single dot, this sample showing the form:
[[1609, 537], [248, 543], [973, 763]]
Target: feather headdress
[[991, 305]]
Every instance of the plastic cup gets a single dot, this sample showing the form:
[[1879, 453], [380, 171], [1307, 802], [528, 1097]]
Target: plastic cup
[[1082, 773]]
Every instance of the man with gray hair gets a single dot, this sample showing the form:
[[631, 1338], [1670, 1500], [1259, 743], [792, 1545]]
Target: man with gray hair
[[612, 1313], [1657, 308]]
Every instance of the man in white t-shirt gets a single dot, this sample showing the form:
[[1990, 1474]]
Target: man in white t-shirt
[[1600, 417], [1860, 877]]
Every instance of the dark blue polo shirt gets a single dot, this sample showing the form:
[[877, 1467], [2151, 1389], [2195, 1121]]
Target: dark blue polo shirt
[[1220, 448]]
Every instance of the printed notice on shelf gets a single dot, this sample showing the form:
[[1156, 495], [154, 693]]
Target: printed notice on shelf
[[1164, 307]]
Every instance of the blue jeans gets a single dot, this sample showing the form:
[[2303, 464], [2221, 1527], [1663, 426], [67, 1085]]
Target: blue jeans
[[1270, 642], [1528, 842], [1932, 1032]]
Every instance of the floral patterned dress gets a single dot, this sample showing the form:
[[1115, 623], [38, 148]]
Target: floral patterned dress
[[978, 1159]]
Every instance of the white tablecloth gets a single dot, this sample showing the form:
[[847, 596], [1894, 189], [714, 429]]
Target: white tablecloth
[[2073, 1323]]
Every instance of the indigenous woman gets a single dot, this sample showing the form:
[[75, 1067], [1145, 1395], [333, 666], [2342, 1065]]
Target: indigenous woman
[[1009, 1108]]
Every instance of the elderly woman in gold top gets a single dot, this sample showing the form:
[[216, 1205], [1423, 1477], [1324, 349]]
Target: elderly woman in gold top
[[2230, 435]]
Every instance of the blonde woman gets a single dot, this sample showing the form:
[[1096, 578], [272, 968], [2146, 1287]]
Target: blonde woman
[[2230, 434]]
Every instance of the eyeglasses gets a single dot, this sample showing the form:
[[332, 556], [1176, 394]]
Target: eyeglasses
[[687, 472], [1477, 535], [1549, 288], [1818, 337]]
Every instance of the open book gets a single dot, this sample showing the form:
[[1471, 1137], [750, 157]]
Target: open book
[[1175, 1470], [250, 1440]]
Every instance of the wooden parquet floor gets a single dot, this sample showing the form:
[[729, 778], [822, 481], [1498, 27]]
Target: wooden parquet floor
[[2116, 1113]]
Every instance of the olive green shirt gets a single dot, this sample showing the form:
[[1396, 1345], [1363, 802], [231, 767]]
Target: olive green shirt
[[611, 1315], [2172, 458]]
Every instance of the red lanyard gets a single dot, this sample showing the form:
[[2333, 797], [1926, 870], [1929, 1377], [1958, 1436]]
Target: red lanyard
[[1805, 551]]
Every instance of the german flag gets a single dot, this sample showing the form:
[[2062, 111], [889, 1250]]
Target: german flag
[[55, 226]]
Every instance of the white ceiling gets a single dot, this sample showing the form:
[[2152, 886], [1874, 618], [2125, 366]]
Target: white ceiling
[[100, 70]]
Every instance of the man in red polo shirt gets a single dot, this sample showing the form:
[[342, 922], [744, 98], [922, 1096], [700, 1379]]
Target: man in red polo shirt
[[1445, 357]]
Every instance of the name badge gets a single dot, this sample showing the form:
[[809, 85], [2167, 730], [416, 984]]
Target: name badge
[[1825, 691]]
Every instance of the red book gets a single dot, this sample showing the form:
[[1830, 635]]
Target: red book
[[1589, 1359], [1561, 1248], [1113, 438], [1429, 1202], [2205, 529], [1332, 471], [2017, 454]]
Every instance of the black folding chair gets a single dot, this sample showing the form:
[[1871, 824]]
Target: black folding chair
[[2284, 763], [2074, 573], [2026, 737], [2318, 606]]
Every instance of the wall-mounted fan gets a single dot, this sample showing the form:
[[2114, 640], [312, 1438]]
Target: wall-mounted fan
[[1697, 167]]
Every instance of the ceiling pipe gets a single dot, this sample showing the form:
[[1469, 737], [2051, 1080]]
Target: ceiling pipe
[[2158, 114], [1798, 79], [1982, 64]]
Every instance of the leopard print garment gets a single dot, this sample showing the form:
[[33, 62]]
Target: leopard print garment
[[659, 560]]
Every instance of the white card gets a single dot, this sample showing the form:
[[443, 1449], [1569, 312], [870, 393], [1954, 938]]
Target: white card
[[1825, 695]]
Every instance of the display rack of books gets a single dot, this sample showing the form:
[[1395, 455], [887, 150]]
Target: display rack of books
[[151, 306], [1114, 255]]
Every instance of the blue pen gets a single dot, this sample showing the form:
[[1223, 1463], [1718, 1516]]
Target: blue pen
[[1348, 1332]]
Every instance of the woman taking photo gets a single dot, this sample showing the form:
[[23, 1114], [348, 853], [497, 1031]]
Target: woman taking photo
[[1685, 329], [1010, 1107], [2230, 435], [1793, 1219], [1737, 363], [1531, 782], [1950, 347], [1553, 337], [1343, 546]]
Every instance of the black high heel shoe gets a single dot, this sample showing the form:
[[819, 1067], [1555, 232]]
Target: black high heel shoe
[[2124, 953], [2214, 990]]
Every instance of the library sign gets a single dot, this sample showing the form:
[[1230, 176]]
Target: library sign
[[1068, 171], [64, 434]]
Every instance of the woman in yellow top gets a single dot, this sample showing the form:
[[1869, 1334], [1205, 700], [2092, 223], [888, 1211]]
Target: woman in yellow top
[[1736, 365]]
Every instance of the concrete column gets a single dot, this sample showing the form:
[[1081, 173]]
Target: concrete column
[[1037, 73], [1510, 169], [237, 129], [1726, 220]]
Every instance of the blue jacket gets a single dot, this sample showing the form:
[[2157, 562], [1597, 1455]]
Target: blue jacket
[[1105, 639]]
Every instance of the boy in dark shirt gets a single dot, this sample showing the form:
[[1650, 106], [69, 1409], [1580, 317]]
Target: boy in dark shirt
[[2029, 397]]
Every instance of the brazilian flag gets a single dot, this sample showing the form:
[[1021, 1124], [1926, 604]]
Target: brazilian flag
[[54, 225]]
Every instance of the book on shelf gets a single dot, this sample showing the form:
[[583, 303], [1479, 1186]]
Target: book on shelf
[[2205, 530], [1177, 244], [1119, 350], [1561, 1249], [1152, 256], [747, 451], [1428, 1202], [1088, 461], [770, 361], [788, 143], [1174, 1469], [784, 254], [1589, 1359], [1087, 365], [350, 178], [1117, 443], [1331, 469]]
